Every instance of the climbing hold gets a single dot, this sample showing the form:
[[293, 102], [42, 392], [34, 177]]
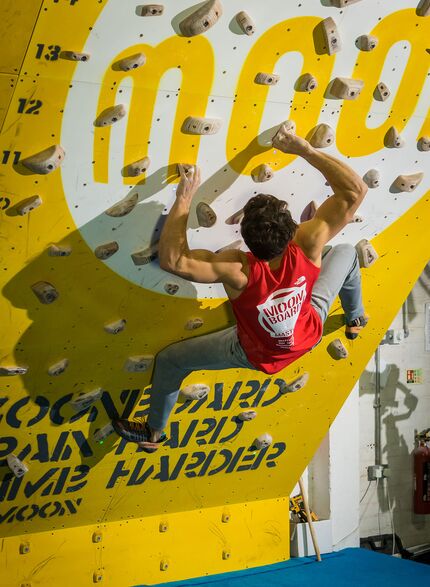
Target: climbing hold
[[288, 126], [262, 173], [247, 416], [146, 255], [356, 218], [97, 577], [245, 22], [138, 364], [74, 56], [171, 288], [407, 183], [163, 526], [372, 178], [124, 207], [366, 42], [18, 468], [46, 161], [58, 368], [236, 218], [139, 167], [205, 215], [132, 62], [366, 253], [322, 136], [423, 8], [57, 251], [263, 441], [101, 434], [115, 327], [226, 517], [28, 205], [226, 554], [164, 565], [45, 292], [233, 246], [295, 385], [381, 92], [86, 400], [342, 3], [11, 371], [307, 83], [337, 349], [195, 125], [309, 212], [331, 36], [24, 548], [110, 115], [194, 392], [393, 140], [267, 79], [97, 537], [347, 88], [424, 144], [194, 323], [151, 10], [105, 251], [202, 19]]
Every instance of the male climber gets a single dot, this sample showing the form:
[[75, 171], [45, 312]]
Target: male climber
[[280, 291]]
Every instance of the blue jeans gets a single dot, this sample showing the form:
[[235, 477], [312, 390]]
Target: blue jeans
[[340, 275]]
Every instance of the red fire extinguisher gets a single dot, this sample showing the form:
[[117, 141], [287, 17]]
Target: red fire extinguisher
[[422, 478]]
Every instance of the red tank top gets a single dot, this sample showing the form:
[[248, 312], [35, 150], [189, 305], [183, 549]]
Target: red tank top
[[276, 323]]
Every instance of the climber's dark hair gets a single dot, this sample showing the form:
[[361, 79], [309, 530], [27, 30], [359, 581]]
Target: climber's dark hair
[[267, 226]]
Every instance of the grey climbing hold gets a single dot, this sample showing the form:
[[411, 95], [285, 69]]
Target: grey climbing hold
[[18, 468], [202, 19], [263, 441], [151, 10], [115, 327], [171, 288], [245, 22], [58, 368], [267, 79], [366, 253], [307, 83], [59, 251], [110, 115], [74, 56], [393, 140], [197, 125], [123, 207], [381, 92], [424, 144], [46, 161], [138, 167], [262, 173], [367, 42], [133, 62], [338, 349], [106, 251], [12, 371], [407, 183], [194, 324], [145, 256], [347, 88], [28, 205], [247, 416], [372, 178], [205, 215], [45, 292], [331, 36], [295, 385]]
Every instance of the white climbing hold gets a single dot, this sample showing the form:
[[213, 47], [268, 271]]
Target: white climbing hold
[[367, 42], [347, 88], [245, 22], [393, 140], [267, 79], [101, 434], [356, 218], [194, 323], [138, 364], [58, 368], [263, 441], [74, 56], [247, 416], [57, 251], [171, 287], [295, 385], [407, 183], [372, 178], [233, 246], [194, 392], [145, 256], [323, 136], [151, 10], [366, 253], [307, 83], [202, 19], [18, 468], [28, 205], [423, 8], [262, 173], [197, 125], [338, 349], [105, 251], [124, 207], [46, 161], [424, 144], [132, 62], [115, 327], [84, 401], [381, 92], [138, 167], [45, 292], [110, 115], [309, 211], [205, 215], [12, 371], [331, 36]]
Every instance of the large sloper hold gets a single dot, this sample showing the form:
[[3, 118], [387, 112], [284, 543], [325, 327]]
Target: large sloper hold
[[202, 19], [110, 115], [106, 250], [295, 385], [138, 363], [151, 10], [331, 36], [124, 207], [372, 178], [367, 42], [424, 144], [58, 368], [347, 88], [381, 92], [245, 22], [75, 56], [262, 173], [12, 371], [84, 401], [393, 139], [423, 8], [194, 392], [28, 205], [145, 256], [138, 167], [323, 136], [407, 183], [115, 327], [197, 125], [46, 161], [206, 216], [267, 79], [132, 62], [18, 468], [337, 349], [45, 292], [263, 441], [366, 253]]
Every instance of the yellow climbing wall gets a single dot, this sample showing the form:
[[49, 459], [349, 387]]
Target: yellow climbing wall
[[206, 502]]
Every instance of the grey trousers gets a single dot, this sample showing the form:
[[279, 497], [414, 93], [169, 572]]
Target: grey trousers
[[340, 275]]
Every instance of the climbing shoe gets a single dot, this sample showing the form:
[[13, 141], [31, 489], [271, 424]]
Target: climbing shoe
[[138, 432], [354, 327]]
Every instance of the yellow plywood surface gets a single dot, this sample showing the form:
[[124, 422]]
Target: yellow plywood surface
[[7, 85]]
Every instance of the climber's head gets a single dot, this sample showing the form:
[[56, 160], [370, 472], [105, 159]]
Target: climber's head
[[267, 226]]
